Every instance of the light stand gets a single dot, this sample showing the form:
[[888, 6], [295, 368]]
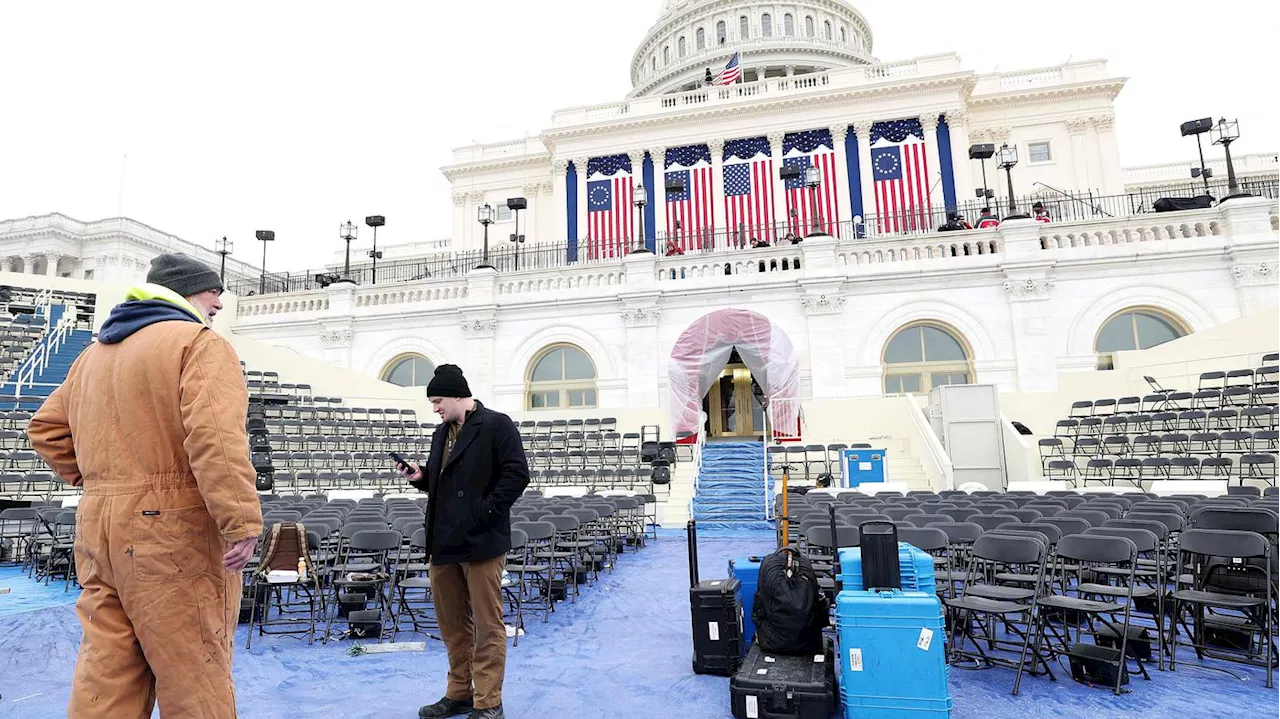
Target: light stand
[[812, 179], [983, 152], [1009, 158], [641, 199], [264, 236], [375, 221], [347, 232], [1198, 128], [517, 204], [1224, 133], [225, 247], [484, 215]]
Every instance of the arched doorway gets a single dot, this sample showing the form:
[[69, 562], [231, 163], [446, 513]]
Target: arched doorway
[[700, 361], [735, 404]]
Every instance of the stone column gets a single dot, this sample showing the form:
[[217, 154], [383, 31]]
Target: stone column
[[479, 327], [824, 308], [29, 263], [583, 247], [1028, 290], [838, 135], [461, 226], [1076, 128], [6, 264], [780, 218], [1107, 172], [559, 229], [717, 193], [862, 128], [336, 329], [962, 167], [640, 315], [658, 196], [929, 121]]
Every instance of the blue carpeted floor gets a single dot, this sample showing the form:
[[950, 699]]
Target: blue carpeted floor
[[622, 651]]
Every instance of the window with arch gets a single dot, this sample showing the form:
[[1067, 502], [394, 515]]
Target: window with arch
[[808, 25], [924, 355], [1135, 328], [653, 62], [843, 36], [721, 32], [561, 376], [702, 39], [682, 47], [789, 25], [766, 25], [409, 370], [666, 55], [826, 29], [744, 28]]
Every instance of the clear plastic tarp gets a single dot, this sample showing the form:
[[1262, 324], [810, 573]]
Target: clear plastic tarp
[[703, 350]]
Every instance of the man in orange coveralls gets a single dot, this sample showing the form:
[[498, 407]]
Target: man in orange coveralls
[[151, 423]]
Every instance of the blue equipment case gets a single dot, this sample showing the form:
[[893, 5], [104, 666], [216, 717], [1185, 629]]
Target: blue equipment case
[[860, 466], [747, 571], [892, 661], [914, 565]]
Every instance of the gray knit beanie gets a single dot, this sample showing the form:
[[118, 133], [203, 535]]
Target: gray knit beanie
[[183, 274]]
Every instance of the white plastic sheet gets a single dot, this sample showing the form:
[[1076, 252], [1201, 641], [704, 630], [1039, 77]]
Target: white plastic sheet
[[703, 350]]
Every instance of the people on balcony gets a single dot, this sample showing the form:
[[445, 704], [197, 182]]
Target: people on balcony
[[987, 221], [955, 222], [674, 249], [1042, 214]]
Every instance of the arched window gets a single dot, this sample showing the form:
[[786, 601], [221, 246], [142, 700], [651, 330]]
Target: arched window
[[682, 47], [766, 25], [826, 29], [808, 25], [561, 376], [925, 355], [702, 39], [1136, 328], [666, 55], [744, 28], [843, 36], [789, 25], [653, 62], [720, 32], [410, 370]]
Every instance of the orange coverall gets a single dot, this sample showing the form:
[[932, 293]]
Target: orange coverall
[[153, 429]]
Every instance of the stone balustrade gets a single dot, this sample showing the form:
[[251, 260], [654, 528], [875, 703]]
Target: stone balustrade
[[408, 294], [1129, 230], [786, 258], [936, 246], [282, 304], [563, 280]]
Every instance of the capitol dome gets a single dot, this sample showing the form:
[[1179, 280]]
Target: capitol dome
[[775, 39]]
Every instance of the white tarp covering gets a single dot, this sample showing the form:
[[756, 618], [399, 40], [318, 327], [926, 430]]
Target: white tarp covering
[[703, 350]]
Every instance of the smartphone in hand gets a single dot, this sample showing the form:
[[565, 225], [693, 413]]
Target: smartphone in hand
[[400, 463]]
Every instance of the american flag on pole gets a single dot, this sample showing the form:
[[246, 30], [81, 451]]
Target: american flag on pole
[[900, 172], [611, 215], [748, 190], [731, 71], [805, 207], [689, 220]]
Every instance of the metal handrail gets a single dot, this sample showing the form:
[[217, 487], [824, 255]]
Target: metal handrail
[[38, 360], [698, 444]]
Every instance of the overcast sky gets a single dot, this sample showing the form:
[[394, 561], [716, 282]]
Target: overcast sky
[[296, 116]]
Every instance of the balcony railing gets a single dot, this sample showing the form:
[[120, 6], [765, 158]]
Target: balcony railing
[[1062, 208]]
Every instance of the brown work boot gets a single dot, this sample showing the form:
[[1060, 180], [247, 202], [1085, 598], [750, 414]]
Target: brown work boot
[[490, 713], [446, 707]]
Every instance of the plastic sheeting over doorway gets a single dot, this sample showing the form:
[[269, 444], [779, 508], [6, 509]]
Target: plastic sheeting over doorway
[[703, 350]]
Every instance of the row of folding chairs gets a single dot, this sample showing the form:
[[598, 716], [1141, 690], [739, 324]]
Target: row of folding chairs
[[1251, 417], [1212, 444], [1251, 467]]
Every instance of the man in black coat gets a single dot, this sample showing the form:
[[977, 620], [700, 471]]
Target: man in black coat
[[476, 471]]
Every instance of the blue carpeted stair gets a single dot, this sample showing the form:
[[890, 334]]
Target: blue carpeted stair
[[730, 486], [55, 371]]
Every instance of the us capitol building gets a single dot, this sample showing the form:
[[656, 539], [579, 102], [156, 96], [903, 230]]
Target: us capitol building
[[791, 224]]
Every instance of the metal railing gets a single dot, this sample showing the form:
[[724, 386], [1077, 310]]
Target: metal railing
[[1061, 206], [38, 360], [698, 446]]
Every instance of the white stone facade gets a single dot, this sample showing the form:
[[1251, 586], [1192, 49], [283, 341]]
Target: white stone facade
[[115, 251], [1027, 300]]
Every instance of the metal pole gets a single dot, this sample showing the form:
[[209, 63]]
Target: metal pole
[[222, 270], [485, 259], [1203, 176], [374, 277], [346, 265], [262, 284], [1013, 207], [1232, 186]]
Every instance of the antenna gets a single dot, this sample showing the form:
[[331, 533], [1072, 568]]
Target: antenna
[[120, 199]]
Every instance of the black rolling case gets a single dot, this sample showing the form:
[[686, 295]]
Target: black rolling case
[[716, 608], [773, 686]]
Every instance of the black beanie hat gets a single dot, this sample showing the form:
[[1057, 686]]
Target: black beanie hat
[[448, 382], [183, 274]]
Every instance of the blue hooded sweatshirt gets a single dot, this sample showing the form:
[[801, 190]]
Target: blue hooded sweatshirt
[[145, 305]]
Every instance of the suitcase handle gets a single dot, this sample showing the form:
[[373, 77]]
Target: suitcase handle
[[889, 528], [692, 530]]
